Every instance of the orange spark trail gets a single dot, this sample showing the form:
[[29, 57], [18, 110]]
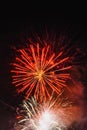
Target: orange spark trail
[[40, 71]]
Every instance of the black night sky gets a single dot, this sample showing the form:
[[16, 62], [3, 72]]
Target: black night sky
[[12, 30]]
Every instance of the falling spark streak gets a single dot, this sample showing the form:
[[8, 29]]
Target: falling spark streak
[[56, 114], [40, 71]]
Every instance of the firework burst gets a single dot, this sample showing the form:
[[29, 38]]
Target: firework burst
[[39, 71], [56, 114]]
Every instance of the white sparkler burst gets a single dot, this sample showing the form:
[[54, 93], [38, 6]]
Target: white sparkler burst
[[53, 115], [47, 121]]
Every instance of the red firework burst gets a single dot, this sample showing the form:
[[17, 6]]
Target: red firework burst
[[40, 71]]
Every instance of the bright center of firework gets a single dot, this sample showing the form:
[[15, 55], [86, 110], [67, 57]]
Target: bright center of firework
[[39, 74], [47, 121]]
